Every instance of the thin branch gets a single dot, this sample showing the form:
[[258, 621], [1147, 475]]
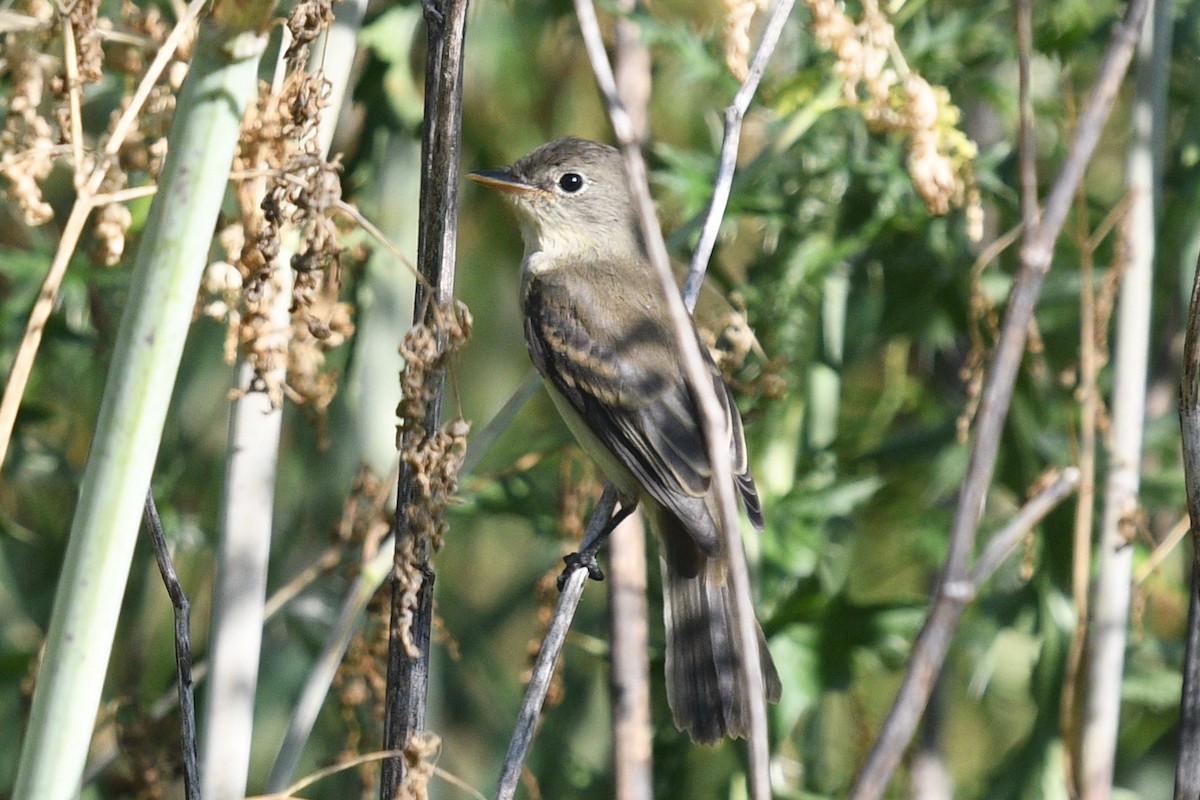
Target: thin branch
[[183, 650], [408, 676], [22, 366], [1162, 550], [353, 213], [572, 582], [13, 22], [993, 250], [1034, 511], [933, 642], [166, 702], [350, 763], [700, 381], [124, 195], [161, 59], [1036, 252], [74, 93], [734, 116]]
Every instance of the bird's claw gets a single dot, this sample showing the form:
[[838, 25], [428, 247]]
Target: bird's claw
[[587, 560]]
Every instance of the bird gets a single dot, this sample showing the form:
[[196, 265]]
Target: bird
[[599, 333]]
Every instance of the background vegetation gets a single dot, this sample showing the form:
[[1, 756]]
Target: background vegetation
[[872, 315]]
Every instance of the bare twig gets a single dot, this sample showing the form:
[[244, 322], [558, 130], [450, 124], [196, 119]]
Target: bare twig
[[1007, 538], [167, 701], [933, 642], [1164, 548], [700, 382], [74, 94], [124, 195], [351, 211], [734, 115], [183, 649], [408, 676], [308, 780], [1036, 252], [547, 657]]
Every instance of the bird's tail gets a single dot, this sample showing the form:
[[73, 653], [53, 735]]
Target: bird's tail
[[704, 688]]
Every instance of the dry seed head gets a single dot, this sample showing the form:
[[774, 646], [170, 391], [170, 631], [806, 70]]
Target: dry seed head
[[738, 16], [299, 191], [420, 758], [112, 223], [306, 22], [431, 459], [28, 146], [24, 171], [88, 51], [871, 68]]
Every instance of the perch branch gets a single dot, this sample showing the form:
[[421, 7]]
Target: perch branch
[[547, 657]]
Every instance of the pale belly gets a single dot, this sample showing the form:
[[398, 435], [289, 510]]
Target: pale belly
[[609, 464]]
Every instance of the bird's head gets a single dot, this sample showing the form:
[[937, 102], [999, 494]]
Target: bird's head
[[572, 200]]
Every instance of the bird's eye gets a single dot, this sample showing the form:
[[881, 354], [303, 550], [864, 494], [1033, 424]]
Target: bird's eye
[[571, 182]]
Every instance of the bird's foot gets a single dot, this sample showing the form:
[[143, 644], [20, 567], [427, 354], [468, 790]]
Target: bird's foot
[[585, 559]]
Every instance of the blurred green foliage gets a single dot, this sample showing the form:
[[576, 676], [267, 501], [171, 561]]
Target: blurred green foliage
[[861, 302]]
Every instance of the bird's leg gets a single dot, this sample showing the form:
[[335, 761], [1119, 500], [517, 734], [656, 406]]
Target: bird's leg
[[586, 555]]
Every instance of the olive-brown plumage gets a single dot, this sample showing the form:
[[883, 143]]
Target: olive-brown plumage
[[597, 330]]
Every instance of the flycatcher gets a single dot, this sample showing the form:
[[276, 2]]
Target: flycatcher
[[598, 331]]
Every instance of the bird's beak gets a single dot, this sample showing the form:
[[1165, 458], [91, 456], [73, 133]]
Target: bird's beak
[[503, 181]]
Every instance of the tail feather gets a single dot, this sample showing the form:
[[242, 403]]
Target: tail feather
[[704, 689]]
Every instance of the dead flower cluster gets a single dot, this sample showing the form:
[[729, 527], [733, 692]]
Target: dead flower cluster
[[43, 124], [893, 98], [286, 197], [28, 142], [420, 761], [738, 16], [430, 457]]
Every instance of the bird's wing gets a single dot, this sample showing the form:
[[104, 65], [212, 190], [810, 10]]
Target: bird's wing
[[627, 385]]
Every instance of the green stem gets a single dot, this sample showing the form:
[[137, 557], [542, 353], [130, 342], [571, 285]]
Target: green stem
[[158, 311]]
